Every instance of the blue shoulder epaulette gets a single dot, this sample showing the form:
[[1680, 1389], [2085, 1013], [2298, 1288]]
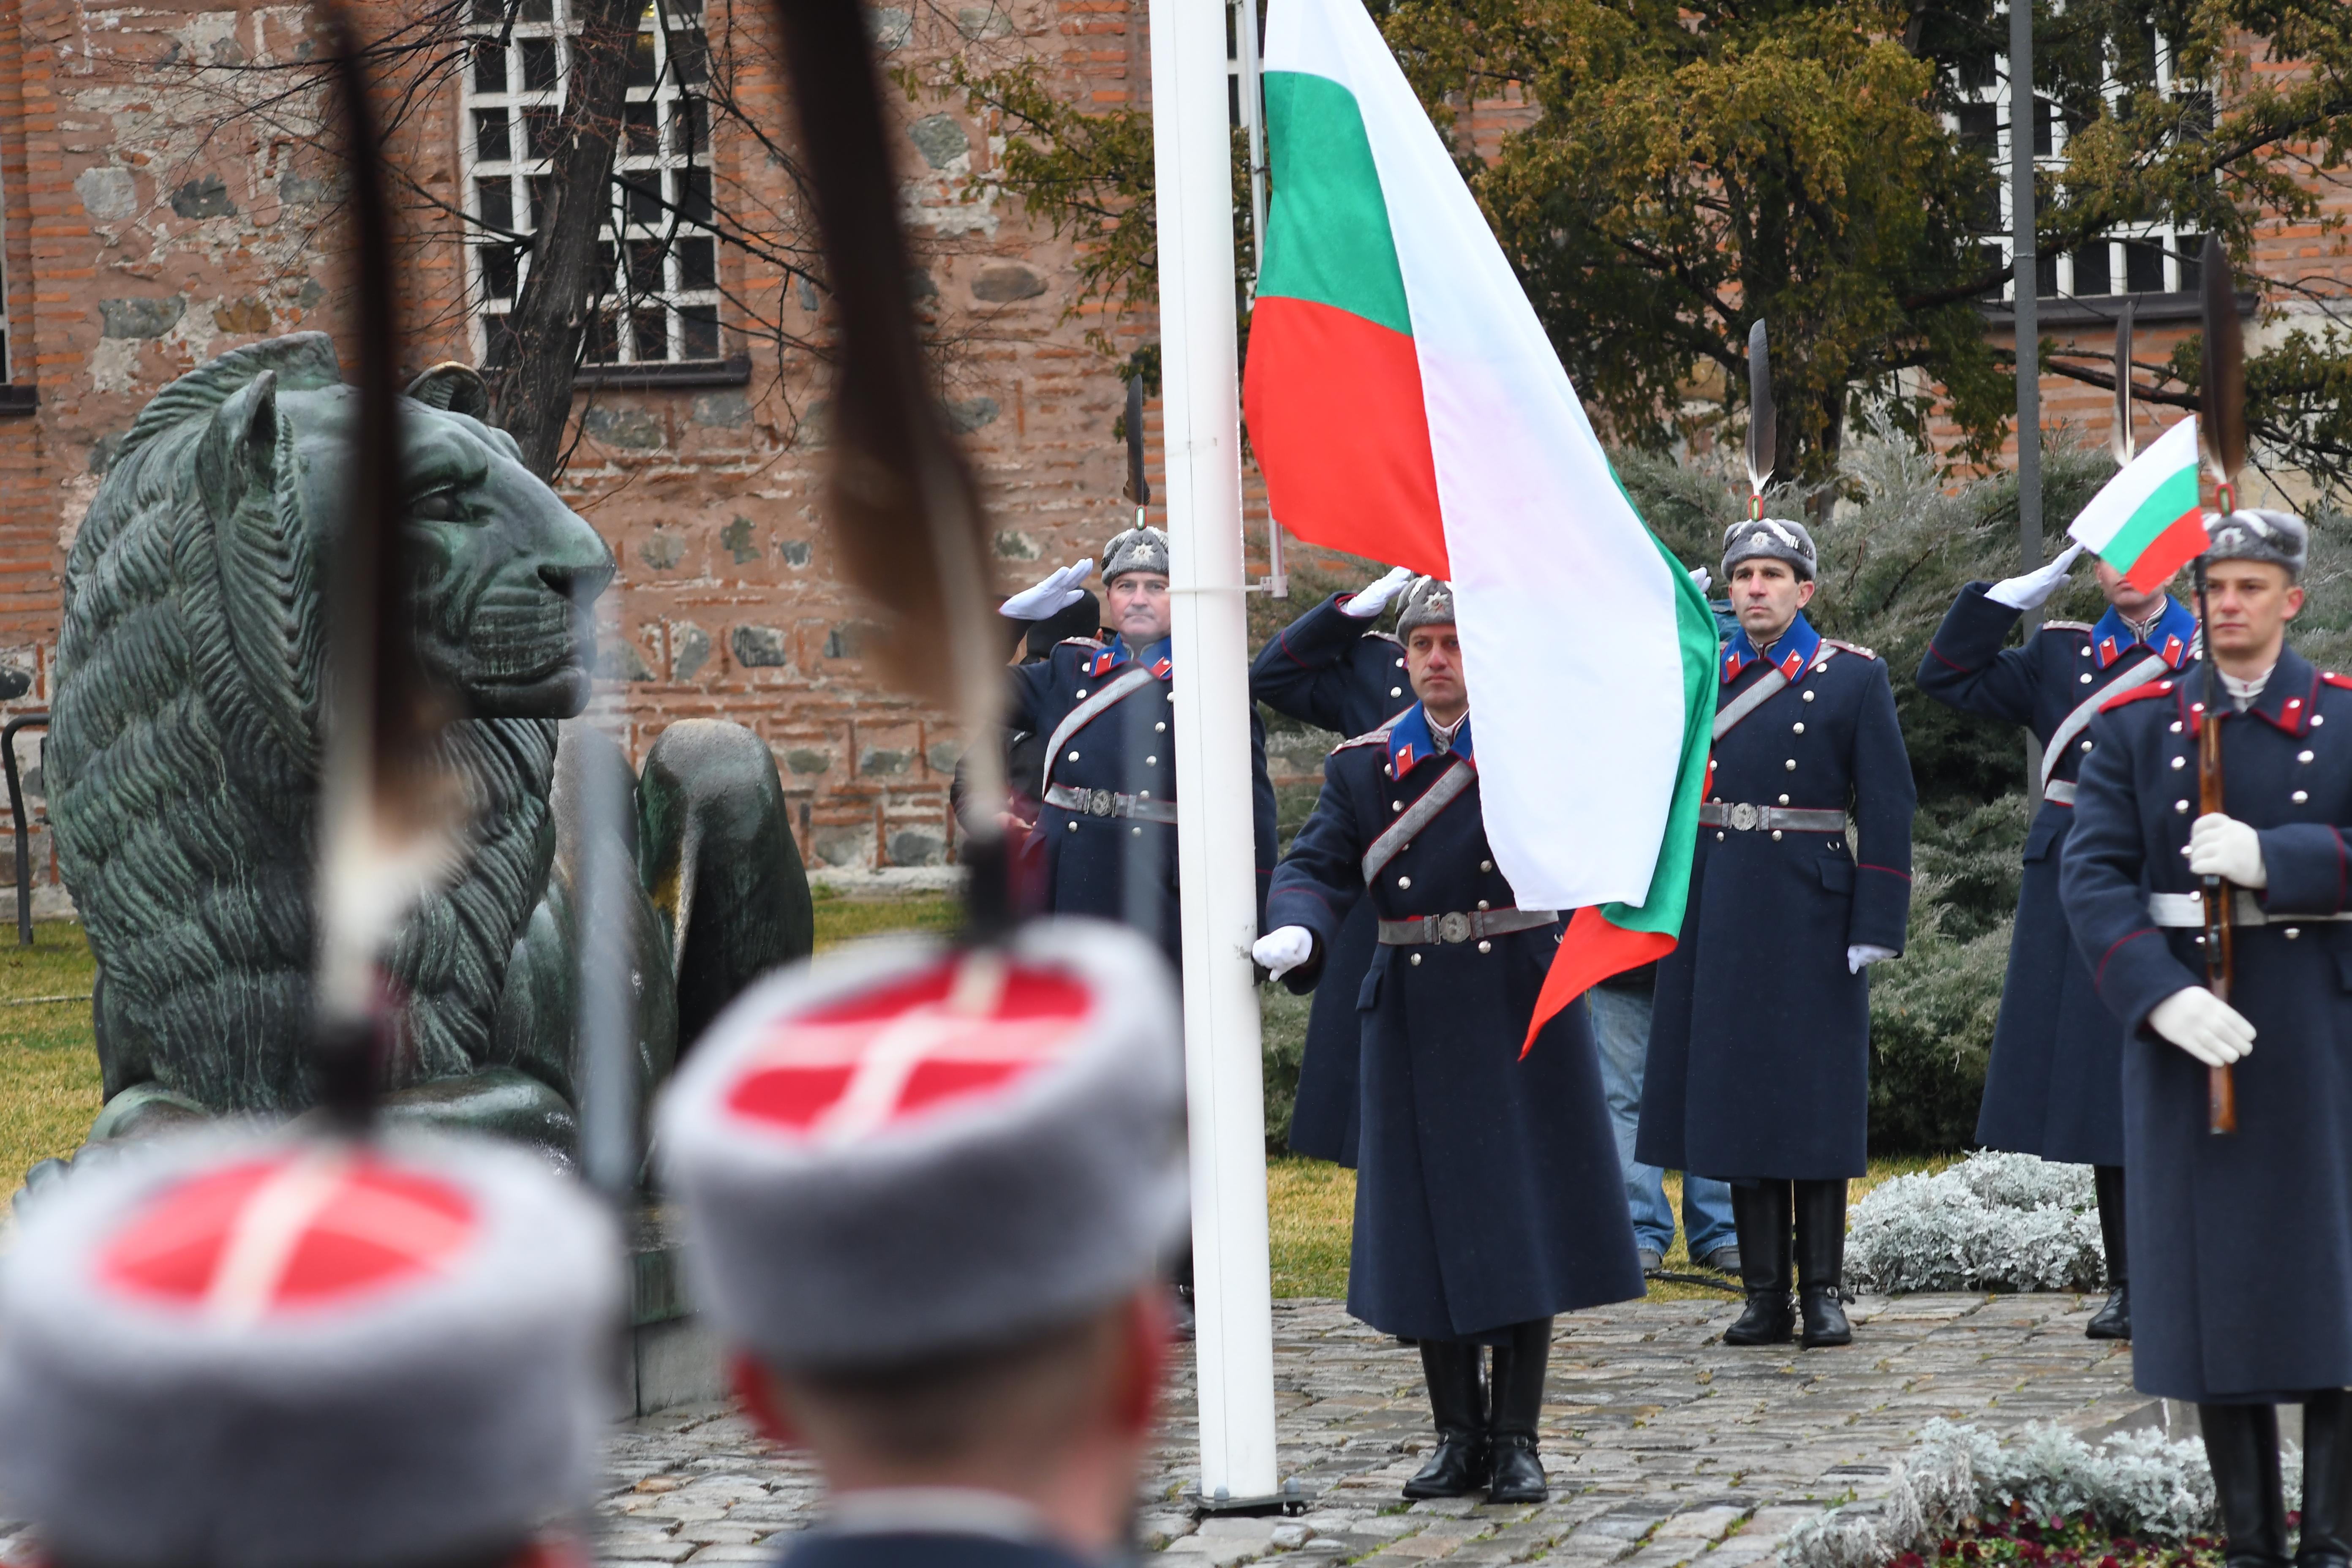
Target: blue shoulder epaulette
[[1379, 737], [2082, 626], [1850, 647]]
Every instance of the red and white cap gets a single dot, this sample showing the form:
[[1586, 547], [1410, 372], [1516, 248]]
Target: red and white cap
[[906, 1150], [239, 1353]]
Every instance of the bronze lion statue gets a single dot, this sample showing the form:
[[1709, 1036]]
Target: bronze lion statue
[[184, 751]]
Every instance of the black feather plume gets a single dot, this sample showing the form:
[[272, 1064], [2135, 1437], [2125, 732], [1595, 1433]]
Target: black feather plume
[[2222, 412], [1139, 489]]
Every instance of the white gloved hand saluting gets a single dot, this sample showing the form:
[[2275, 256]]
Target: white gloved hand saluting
[[2223, 846], [1044, 600], [2204, 1026], [2033, 591], [1863, 955], [1284, 949], [1700, 578], [1373, 597]]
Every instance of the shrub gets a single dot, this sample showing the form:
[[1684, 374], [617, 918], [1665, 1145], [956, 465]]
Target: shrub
[[2000, 1222]]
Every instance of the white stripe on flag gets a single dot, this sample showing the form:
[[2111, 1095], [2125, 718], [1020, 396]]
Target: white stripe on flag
[[2125, 493]]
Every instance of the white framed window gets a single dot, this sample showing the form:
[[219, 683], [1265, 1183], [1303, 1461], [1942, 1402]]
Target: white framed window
[[2131, 259], [659, 255]]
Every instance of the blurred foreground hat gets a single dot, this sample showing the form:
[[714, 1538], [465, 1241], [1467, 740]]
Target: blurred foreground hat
[[1428, 602], [1135, 550], [909, 1150], [2253, 533], [1777, 538], [239, 1353]]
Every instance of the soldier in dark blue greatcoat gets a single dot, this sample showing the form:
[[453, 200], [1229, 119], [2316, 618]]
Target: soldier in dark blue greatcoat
[[1107, 815], [2241, 1244], [2055, 1086], [1760, 1043], [1489, 1197], [1329, 668]]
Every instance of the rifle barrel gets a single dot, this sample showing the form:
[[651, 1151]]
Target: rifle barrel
[[2221, 1086]]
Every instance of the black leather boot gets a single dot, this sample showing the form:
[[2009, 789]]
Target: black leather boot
[[2241, 1444], [1820, 1264], [1519, 1367], [2112, 1322], [1759, 1213], [1458, 1466], [2326, 1480]]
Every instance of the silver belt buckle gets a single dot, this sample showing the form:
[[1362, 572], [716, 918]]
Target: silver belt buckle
[[1100, 802], [1453, 926], [1745, 817]]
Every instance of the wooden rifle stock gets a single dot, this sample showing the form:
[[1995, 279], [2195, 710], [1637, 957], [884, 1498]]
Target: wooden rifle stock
[[2221, 1088]]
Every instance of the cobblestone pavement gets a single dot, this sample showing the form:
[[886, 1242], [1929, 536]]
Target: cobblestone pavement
[[1662, 1443]]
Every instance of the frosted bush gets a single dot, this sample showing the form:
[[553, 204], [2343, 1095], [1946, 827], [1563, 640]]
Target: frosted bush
[[1993, 1222], [2137, 1484]]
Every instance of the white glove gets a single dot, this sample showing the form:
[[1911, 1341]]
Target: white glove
[[2223, 846], [1700, 578], [1863, 955], [2203, 1025], [1284, 949], [1373, 597], [2034, 589], [1044, 600]]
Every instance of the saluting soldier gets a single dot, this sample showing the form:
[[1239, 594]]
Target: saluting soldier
[[1759, 1043], [1490, 1197], [1332, 670], [929, 1193], [1106, 821], [248, 1352], [2054, 1088], [2223, 1312]]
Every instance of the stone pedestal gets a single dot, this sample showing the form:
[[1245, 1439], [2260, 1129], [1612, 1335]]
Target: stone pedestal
[[673, 1357]]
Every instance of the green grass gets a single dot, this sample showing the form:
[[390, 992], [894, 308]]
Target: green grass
[[49, 1065], [840, 918]]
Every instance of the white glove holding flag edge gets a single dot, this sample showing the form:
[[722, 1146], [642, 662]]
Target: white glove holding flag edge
[[2034, 589], [1700, 578], [1050, 597], [2204, 1026], [1283, 949], [2223, 846], [1863, 955], [1373, 597]]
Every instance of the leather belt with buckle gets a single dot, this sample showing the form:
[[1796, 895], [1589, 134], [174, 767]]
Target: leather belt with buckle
[[1744, 818], [1461, 925], [1108, 803]]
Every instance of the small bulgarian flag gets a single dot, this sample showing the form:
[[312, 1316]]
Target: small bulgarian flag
[[1405, 403], [2148, 521]]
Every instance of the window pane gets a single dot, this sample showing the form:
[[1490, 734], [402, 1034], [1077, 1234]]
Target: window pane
[[498, 271], [694, 195], [603, 347], [698, 264], [644, 197], [537, 10], [494, 200], [645, 266], [502, 341], [604, 281], [489, 69], [490, 135], [641, 60], [694, 116], [538, 64], [689, 57], [1977, 72], [538, 132], [539, 186], [1992, 260], [639, 135], [2091, 270], [2143, 266], [2045, 274], [490, 10], [2190, 248], [651, 334], [701, 324]]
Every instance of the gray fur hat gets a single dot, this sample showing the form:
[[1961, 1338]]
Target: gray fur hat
[[231, 1352], [1428, 602], [907, 1150], [2253, 533], [1135, 550], [1776, 537]]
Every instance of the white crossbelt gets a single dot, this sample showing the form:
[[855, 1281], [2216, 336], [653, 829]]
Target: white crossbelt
[[1458, 776], [1766, 688], [1079, 718], [2186, 911], [2074, 723]]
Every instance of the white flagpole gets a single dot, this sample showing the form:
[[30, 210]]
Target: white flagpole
[[1201, 427]]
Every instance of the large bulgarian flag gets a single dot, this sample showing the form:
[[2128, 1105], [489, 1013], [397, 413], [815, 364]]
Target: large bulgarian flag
[[2146, 523], [1405, 404]]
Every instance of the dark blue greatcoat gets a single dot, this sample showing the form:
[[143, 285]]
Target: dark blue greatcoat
[[1328, 670], [1760, 1040], [2055, 1084], [2240, 1246], [1128, 748], [1488, 1192]]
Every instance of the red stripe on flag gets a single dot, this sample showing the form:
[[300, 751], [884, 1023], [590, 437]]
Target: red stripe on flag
[[2183, 540], [1337, 421], [1591, 951]]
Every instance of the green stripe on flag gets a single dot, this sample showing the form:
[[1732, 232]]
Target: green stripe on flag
[[1328, 236], [1697, 636], [2166, 505]]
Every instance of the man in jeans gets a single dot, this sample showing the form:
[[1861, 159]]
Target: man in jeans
[[1620, 1031]]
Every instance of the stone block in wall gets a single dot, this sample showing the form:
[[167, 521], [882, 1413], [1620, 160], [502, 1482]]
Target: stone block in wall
[[737, 540], [918, 846], [662, 551], [637, 429], [1002, 282], [966, 414], [203, 198], [940, 140], [721, 410], [885, 762], [795, 551], [689, 650], [807, 762], [844, 845], [759, 648], [108, 195], [1012, 544], [143, 317], [618, 658], [944, 755], [850, 639]]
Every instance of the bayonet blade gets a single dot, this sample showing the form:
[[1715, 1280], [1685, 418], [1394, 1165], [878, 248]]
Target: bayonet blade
[[1762, 427], [2122, 439], [1138, 488]]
